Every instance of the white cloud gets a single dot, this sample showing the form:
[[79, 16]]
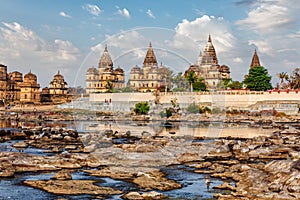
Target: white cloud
[[198, 31], [238, 60], [123, 12], [92, 9], [22, 48], [63, 14], [274, 30], [263, 46], [150, 14], [269, 16]]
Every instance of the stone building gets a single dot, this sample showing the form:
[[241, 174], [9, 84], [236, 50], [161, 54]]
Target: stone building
[[57, 91], [14, 81], [30, 89], [3, 82], [208, 67], [58, 86], [151, 76], [45, 95], [10, 84], [105, 78]]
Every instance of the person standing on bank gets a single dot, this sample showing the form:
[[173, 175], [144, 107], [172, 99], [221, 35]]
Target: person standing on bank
[[207, 181]]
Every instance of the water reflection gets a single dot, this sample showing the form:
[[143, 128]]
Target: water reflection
[[196, 129]]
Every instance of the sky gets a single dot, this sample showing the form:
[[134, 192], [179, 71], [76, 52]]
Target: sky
[[70, 36]]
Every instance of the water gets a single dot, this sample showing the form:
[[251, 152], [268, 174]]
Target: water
[[12, 188], [193, 184], [7, 147], [178, 129]]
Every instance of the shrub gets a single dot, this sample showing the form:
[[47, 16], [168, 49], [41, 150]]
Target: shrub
[[217, 110], [168, 112], [205, 109], [193, 108], [141, 108]]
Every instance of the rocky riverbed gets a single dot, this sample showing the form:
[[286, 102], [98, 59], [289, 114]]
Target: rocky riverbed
[[262, 167]]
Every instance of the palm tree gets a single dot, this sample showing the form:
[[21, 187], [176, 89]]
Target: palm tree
[[191, 78], [282, 76]]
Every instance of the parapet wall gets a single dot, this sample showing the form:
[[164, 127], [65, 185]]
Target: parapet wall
[[237, 100]]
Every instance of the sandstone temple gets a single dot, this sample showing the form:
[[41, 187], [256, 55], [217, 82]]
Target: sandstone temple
[[105, 78], [150, 76], [16, 89], [208, 68]]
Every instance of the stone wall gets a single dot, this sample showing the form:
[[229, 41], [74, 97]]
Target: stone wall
[[243, 100]]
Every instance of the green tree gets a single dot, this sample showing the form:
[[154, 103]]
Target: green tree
[[258, 79], [196, 83], [167, 77], [141, 108], [199, 85], [180, 82], [295, 79], [109, 86], [191, 78], [236, 85], [229, 83], [226, 82]]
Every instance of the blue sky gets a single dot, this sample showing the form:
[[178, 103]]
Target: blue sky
[[47, 36]]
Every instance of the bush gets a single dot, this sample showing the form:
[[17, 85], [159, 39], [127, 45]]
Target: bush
[[217, 110], [205, 109], [127, 89], [193, 108], [141, 108], [179, 89], [168, 112]]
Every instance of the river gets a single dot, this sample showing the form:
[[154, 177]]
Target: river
[[194, 186]]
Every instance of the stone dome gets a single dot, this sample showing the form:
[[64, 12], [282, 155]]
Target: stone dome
[[58, 76], [224, 68], [30, 77], [136, 69], [119, 70], [92, 70]]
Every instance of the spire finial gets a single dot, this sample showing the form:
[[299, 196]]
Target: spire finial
[[58, 72], [209, 38], [150, 45], [105, 49]]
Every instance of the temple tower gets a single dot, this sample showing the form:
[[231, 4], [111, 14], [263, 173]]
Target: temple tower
[[255, 60], [105, 61]]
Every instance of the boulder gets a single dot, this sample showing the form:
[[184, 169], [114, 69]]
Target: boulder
[[133, 196], [62, 175], [71, 187], [20, 144]]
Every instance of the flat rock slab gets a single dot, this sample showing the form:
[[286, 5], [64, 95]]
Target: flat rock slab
[[72, 187]]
